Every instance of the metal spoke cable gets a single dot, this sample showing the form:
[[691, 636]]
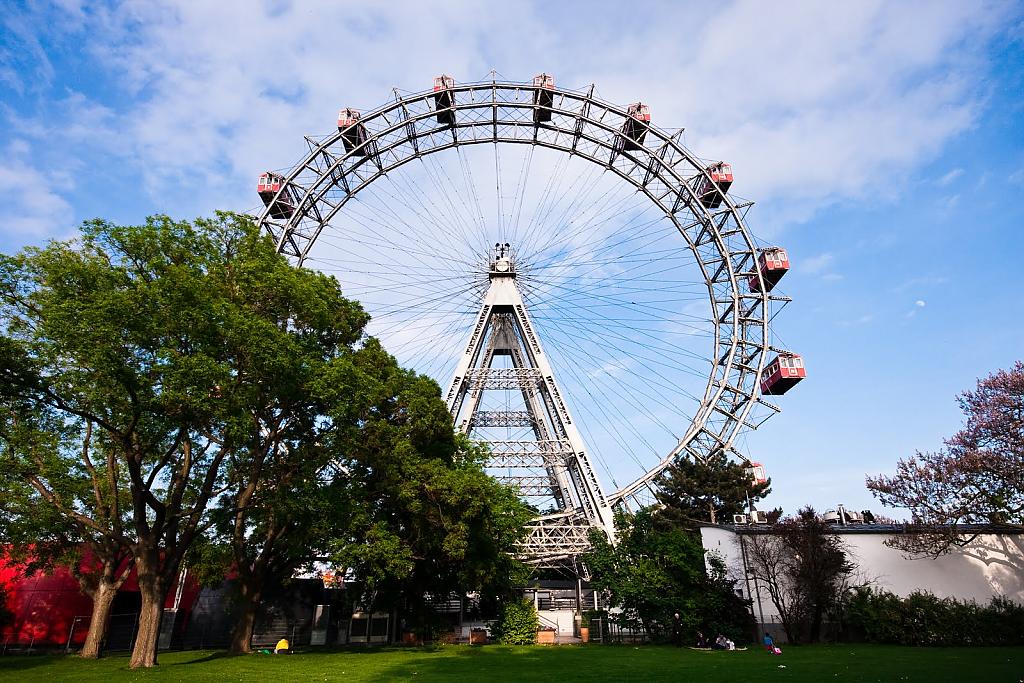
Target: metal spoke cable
[[644, 362], [608, 423], [446, 230]]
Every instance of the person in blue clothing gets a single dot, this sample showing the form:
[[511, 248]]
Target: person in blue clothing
[[769, 644]]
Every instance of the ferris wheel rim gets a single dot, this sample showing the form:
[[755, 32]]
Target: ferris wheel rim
[[726, 396]]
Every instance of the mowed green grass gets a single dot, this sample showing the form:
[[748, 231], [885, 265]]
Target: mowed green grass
[[564, 663]]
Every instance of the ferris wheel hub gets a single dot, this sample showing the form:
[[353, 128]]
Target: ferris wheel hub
[[502, 262]]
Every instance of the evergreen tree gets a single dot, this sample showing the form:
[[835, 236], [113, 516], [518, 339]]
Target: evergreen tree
[[656, 570], [693, 492]]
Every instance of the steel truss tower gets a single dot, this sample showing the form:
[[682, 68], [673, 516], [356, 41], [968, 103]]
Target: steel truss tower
[[505, 354]]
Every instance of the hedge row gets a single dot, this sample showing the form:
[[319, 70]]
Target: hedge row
[[921, 618]]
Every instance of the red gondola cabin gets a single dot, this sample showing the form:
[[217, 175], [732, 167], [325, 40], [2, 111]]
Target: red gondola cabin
[[444, 99], [713, 186], [757, 473], [353, 132], [268, 186], [773, 264], [782, 374], [634, 128], [543, 97]]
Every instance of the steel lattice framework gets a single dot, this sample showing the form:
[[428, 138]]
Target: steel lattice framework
[[564, 472], [575, 123]]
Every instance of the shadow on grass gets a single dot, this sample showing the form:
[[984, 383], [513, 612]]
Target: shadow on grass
[[23, 662], [537, 663], [207, 656]]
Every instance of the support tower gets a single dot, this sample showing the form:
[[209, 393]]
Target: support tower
[[505, 394]]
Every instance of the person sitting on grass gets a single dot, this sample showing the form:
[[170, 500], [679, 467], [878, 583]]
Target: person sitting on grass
[[702, 641], [282, 647], [723, 643]]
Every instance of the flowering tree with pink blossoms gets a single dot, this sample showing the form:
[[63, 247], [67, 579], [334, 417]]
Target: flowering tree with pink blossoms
[[977, 478]]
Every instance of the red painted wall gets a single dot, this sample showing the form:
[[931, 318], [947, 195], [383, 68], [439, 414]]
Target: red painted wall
[[46, 605]]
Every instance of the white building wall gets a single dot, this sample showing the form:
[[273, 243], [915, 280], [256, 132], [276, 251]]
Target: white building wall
[[988, 566]]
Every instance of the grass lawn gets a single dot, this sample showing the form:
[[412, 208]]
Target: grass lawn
[[566, 663]]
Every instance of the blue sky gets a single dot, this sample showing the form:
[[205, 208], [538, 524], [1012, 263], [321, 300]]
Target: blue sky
[[882, 142]]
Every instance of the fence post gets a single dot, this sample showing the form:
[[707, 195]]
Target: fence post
[[135, 633], [71, 634]]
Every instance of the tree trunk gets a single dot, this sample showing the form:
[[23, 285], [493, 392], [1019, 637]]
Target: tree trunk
[[241, 634], [146, 640], [815, 634], [153, 589], [102, 601]]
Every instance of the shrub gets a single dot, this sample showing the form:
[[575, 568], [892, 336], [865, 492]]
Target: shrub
[[922, 618], [517, 624]]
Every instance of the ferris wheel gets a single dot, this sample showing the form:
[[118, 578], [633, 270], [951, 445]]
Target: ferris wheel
[[583, 287]]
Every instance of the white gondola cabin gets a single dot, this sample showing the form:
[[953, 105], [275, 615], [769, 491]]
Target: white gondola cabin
[[353, 131], [634, 128], [543, 97], [773, 263], [268, 187], [711, 188], [444, 99], [782, 374]]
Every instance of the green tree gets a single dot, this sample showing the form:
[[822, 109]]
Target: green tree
[[292, 341], [658, 569], [122, 333], [36, 531], [693, 492], [231, 392], [429, 522], [517, 623], [62, 496]]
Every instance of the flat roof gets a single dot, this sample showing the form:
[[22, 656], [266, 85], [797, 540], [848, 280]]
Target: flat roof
[[887, 529]]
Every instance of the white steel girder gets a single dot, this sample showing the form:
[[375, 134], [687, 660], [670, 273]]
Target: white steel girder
[[503, 327]]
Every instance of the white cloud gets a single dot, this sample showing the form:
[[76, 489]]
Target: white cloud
[[918, 305], [862, 320], [813, 104], [949, 177], [922, 281], [816, 265], [33, 208]]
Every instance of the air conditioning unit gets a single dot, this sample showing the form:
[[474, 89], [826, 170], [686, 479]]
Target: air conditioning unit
[[739, 519], [758, 517]]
